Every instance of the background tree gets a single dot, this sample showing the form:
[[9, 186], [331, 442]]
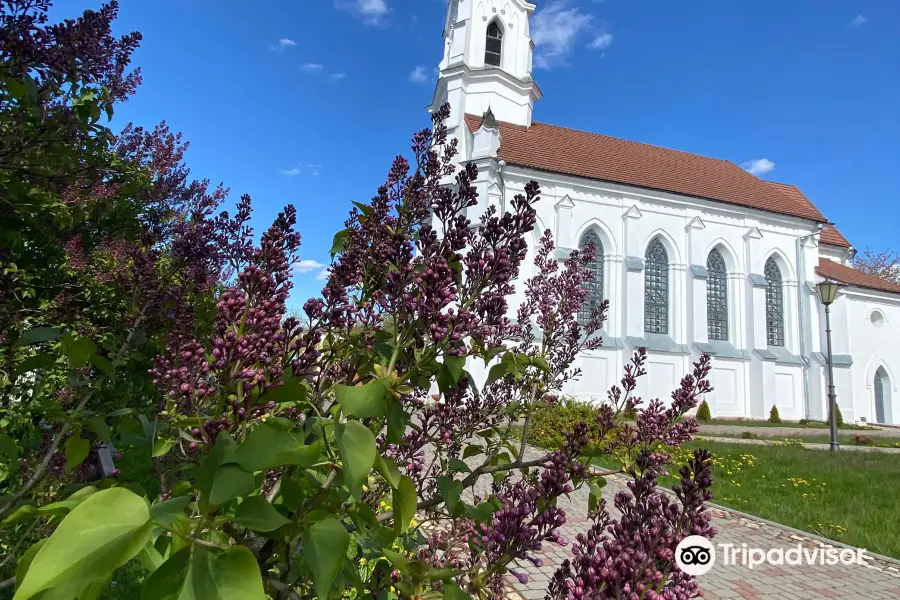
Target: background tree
[[885, 264]]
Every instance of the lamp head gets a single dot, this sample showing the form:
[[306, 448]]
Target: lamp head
[[827, 291]]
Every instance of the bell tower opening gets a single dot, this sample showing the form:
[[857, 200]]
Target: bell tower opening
[[493, 47]]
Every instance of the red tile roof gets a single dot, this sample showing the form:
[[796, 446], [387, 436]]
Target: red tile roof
[[837, 272], [830, 235], [572, 152]]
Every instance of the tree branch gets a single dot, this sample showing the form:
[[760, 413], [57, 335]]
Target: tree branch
[[41, 471], [283, 588]]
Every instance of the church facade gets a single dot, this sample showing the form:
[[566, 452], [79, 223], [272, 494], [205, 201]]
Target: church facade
[[694, 254]]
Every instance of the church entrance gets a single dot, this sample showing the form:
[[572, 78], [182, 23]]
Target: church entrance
[[882, 396]]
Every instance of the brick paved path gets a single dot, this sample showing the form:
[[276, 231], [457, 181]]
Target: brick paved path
[[879, 580], [791, 432]]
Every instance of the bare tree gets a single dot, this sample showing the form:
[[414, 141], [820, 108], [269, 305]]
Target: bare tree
[[885, 264]]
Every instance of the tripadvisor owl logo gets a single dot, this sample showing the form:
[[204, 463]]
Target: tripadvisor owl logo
[[695, 555]]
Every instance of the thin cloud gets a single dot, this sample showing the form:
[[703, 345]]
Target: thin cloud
[[857, 21], [311, 67], [601, 42], [336, 76], [419, 75], [322, 275], [292, 172], [282, 44], [758, 166], [371, 12], [305, 266], [555, 30]]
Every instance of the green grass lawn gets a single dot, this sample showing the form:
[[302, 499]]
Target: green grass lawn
[[851, 497], [792, 424]]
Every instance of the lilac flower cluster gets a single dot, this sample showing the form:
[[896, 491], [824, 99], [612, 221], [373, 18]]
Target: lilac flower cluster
[[634, 558]]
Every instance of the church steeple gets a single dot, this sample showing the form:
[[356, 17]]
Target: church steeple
[[487, 61]]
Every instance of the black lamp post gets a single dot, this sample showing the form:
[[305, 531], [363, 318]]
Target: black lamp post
[[827, 291]]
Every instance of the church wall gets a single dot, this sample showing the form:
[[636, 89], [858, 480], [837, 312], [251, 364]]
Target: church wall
[[870, 322]]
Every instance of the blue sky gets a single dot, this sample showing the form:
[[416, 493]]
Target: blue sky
[[307, 101]]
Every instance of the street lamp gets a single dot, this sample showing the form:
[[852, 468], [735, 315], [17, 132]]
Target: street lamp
[[827, 291]]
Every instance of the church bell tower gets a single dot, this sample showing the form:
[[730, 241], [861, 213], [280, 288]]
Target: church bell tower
[[487, 62]]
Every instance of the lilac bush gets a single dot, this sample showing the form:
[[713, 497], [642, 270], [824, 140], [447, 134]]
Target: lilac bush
[[338, 457]]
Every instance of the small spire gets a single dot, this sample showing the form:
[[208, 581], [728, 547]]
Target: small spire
[[488, 119]]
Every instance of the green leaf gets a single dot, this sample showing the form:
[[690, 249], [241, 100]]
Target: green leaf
[[35, 362], [100, 428], [56, 509], [229, 482], [206, 575], [78, 350], [293, 390], [324, 550], [37, 335], [388, 469], [459, 466], [450, 489], [27, 559], [596, 492], [363, 401], [472, 450], [256, 514], [356, 445], [100, 535], [8, 447], [165, 514], [340, 240], [481, 513], [396, 420], [497, 372], [162, 447], [103, 364], [404, 501], [268, 447], [454, 592], [455, 365], [77, 449]]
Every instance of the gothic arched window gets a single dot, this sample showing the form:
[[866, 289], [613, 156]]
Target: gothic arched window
[[595, 286], [493, 48], [716, 297], [774, 305], [656, 289]]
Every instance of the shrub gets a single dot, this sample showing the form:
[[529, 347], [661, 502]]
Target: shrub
[[840, 417], [703, 413], [862, 440], [292, 458], [750, 435], [774, 417], [549, 422]]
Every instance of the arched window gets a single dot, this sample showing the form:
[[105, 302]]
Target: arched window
[[774, 305], [656, 289], [595, 286], [716, 297], [493, 48]]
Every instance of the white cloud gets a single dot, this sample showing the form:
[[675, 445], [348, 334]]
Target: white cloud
[[758, 166], [311, 67], [292, 172], [554, 30], [282, 44], [858, 20], [601, 42], [336, 76], [305, 266], [372, 12], [322, 275], [419, 75]]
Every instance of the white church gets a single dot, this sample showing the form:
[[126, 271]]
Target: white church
[[694, 253]]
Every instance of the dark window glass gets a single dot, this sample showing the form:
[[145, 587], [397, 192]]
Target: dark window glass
[[716, 297], [656, 289], [774, 305], [595, 286], [494, 45]]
